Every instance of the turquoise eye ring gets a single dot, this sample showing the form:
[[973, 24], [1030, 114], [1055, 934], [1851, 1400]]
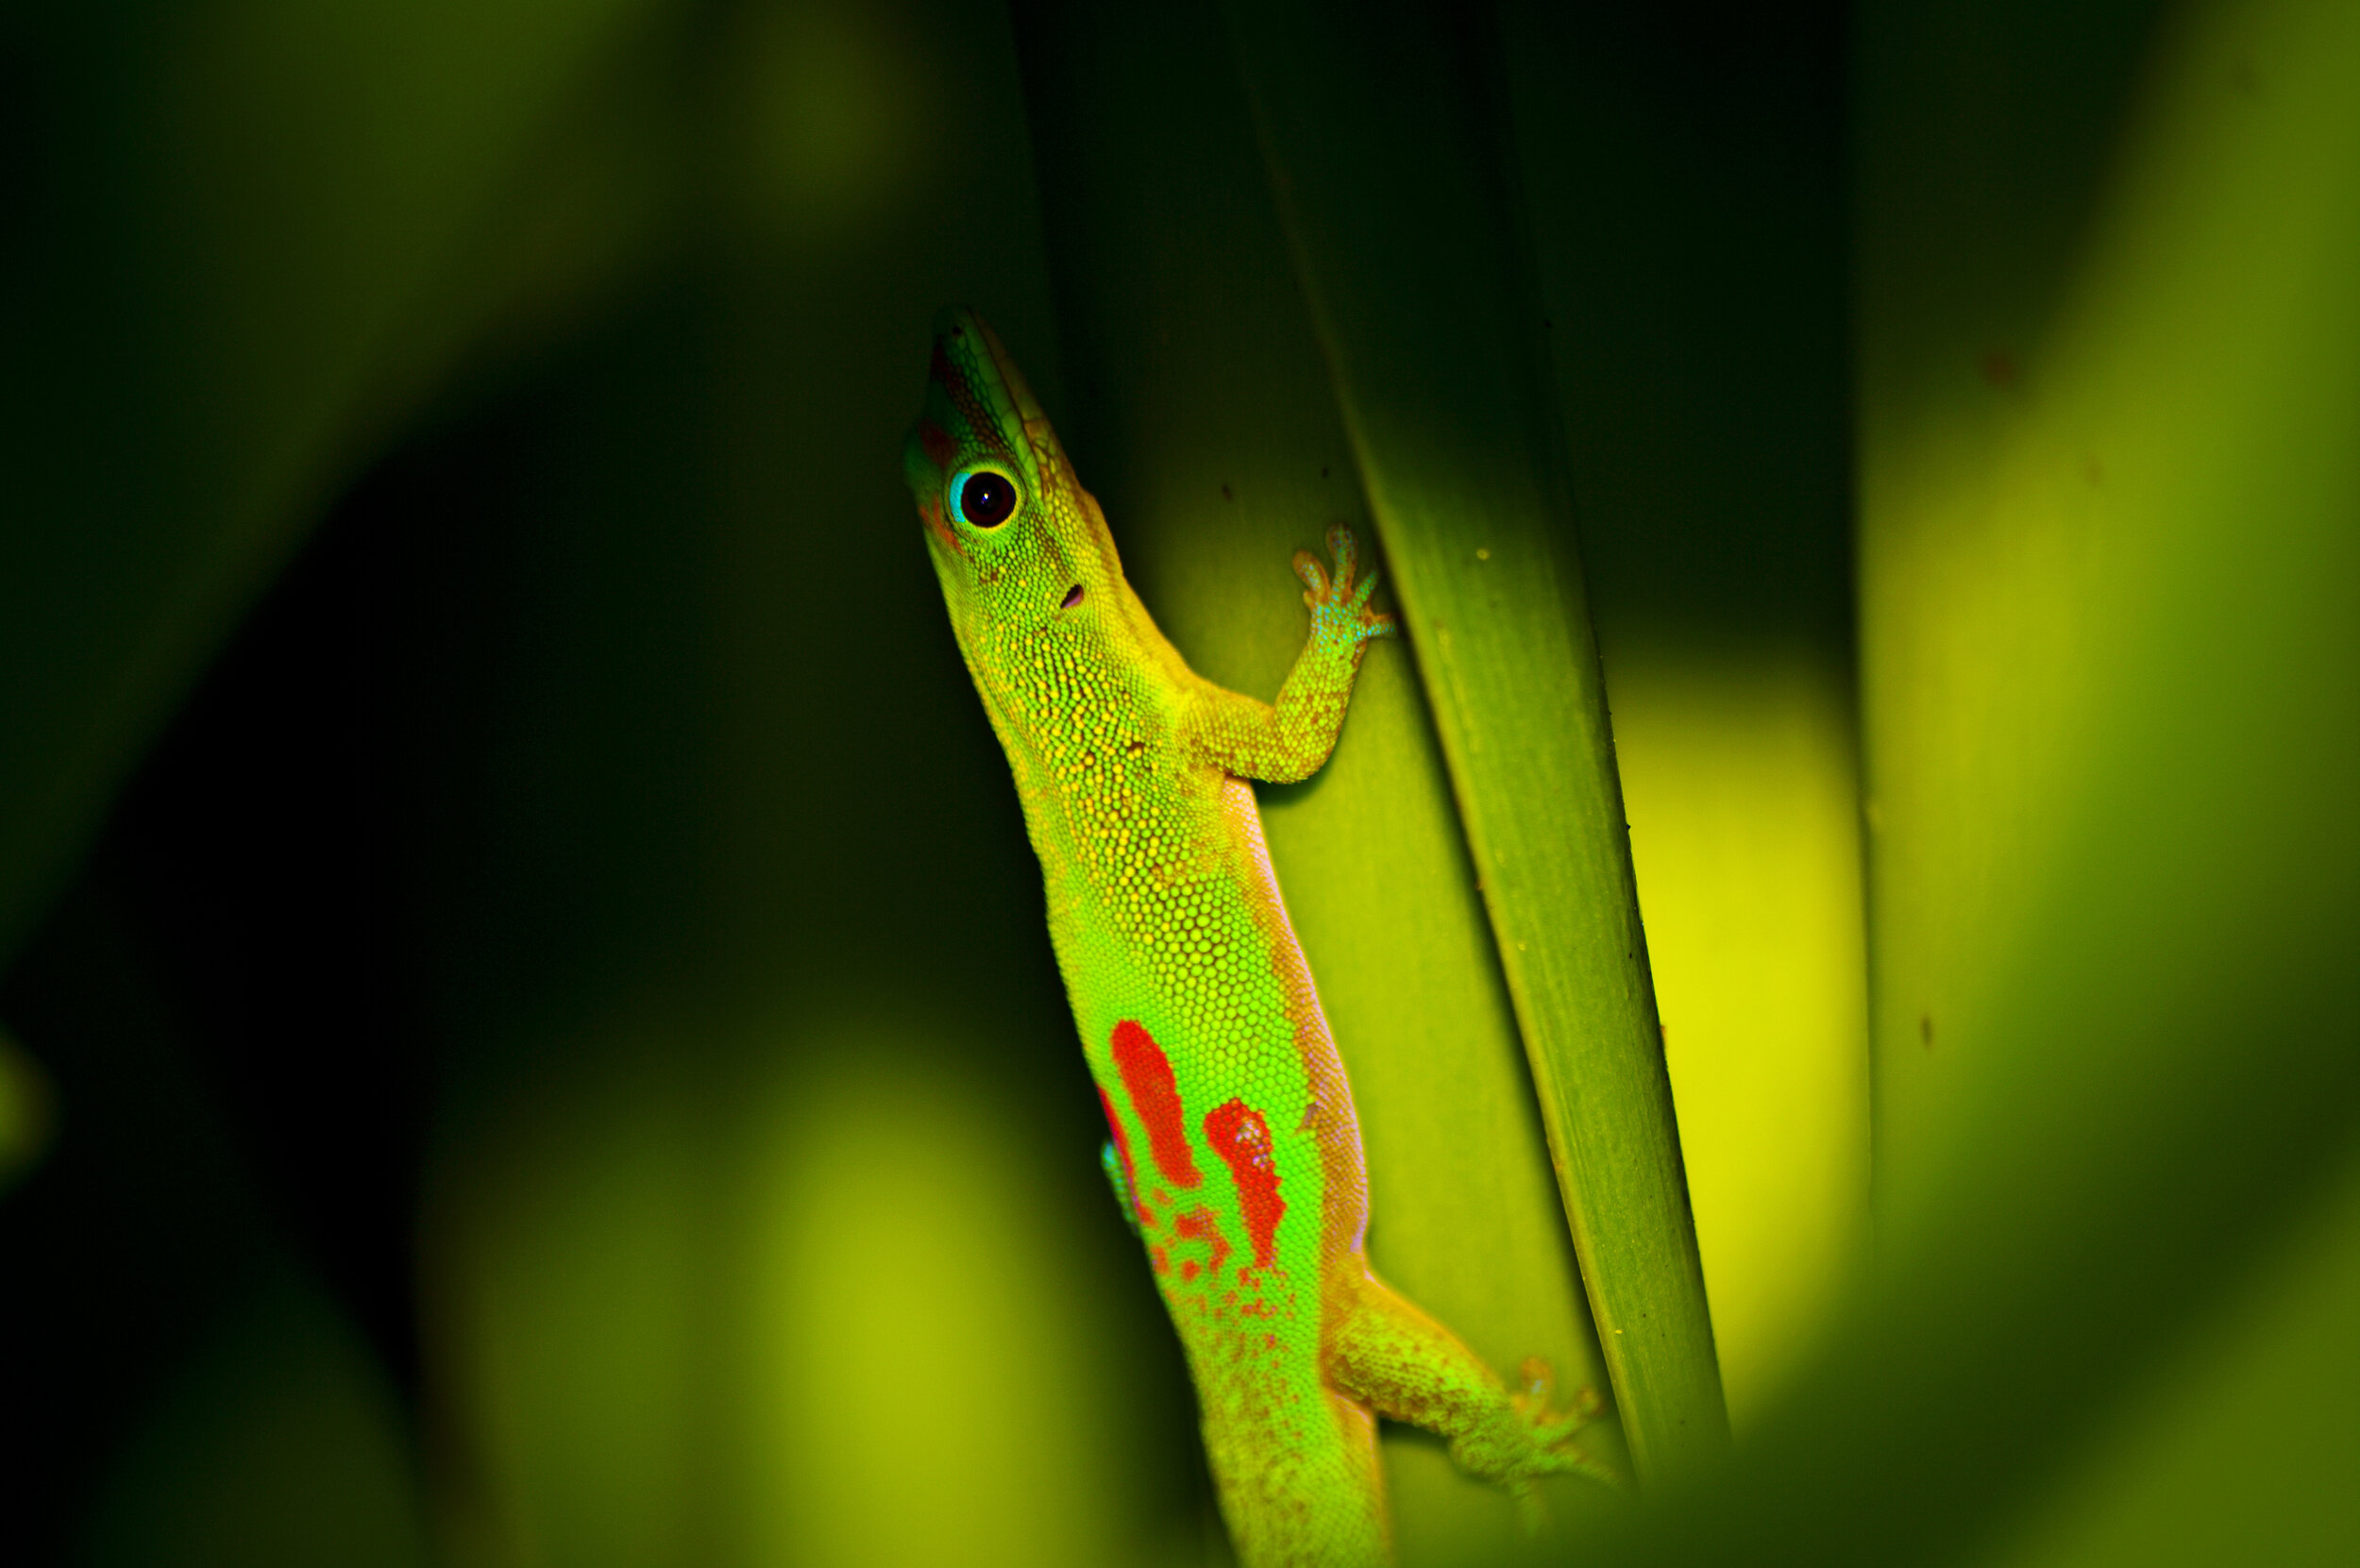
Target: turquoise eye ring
[[984, 496]]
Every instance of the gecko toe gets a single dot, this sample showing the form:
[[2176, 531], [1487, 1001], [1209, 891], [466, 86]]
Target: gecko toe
[[1314, 577]]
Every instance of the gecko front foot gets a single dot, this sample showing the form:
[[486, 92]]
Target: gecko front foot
[[1339, 611]]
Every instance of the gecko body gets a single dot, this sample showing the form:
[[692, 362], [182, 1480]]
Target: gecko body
[[1235, 1150]]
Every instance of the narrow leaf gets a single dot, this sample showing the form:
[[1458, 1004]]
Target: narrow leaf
[[1384, 145]]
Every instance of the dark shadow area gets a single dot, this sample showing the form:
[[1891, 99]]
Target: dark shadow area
[[1685, 176], [225, 1001]]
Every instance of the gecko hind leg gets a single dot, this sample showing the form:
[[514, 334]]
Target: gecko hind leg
[[1386, 1352]]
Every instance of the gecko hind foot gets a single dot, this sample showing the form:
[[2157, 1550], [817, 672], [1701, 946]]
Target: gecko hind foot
[[1531, 1440], [1539, 1389]]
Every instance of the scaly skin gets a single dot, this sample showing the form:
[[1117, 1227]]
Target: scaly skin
[[1235, 1152]]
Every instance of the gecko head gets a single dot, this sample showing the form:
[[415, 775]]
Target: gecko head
[[1015, 539]]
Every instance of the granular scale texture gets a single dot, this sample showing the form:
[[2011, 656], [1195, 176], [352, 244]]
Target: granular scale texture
[[1235, 1150]]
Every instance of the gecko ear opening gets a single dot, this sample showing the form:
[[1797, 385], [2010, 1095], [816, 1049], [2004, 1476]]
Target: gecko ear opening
[[1072, 597]]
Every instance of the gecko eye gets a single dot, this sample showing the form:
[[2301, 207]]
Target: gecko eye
[[984, 498]]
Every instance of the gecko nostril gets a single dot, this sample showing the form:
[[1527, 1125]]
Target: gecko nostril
[[1073, 596]]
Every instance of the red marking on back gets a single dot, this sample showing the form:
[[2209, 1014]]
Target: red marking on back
[[1198, 1225], [1240, 1136], [1147, 1075], [1123, 1153]]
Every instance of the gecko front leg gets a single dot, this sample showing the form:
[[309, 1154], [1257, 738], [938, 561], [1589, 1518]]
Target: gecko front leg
[[1287, 741]]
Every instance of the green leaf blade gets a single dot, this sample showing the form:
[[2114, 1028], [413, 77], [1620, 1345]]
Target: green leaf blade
[[1383, 150]]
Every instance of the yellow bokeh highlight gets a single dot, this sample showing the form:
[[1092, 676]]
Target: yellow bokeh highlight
[[811, 1294], [1739, 786], [929, 1371]]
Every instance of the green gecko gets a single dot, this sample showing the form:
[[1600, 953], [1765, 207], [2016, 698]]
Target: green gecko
[[1236, 1154]]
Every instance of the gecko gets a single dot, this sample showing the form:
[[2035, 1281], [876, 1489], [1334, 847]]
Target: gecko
[[1235, 1150]]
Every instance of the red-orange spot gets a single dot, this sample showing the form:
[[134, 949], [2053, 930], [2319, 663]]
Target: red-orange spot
[[1162, 1262], [1198, 1225], [1147, 1075], [1189, 1269], [1240, 1136], [936, 441], [980, 424], [1123, 1153], [936, 525]]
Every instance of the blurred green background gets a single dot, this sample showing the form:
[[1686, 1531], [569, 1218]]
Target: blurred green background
[[528, 1039]]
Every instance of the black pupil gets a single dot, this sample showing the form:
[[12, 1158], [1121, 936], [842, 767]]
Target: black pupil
[[987, 499]]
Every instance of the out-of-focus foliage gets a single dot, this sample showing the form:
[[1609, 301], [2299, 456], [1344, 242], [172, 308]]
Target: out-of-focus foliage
[[2230, 1445], [2110, 702], [276, 1444], [237, 233], [25, 1110], [690, 1326], [554, 1058]]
